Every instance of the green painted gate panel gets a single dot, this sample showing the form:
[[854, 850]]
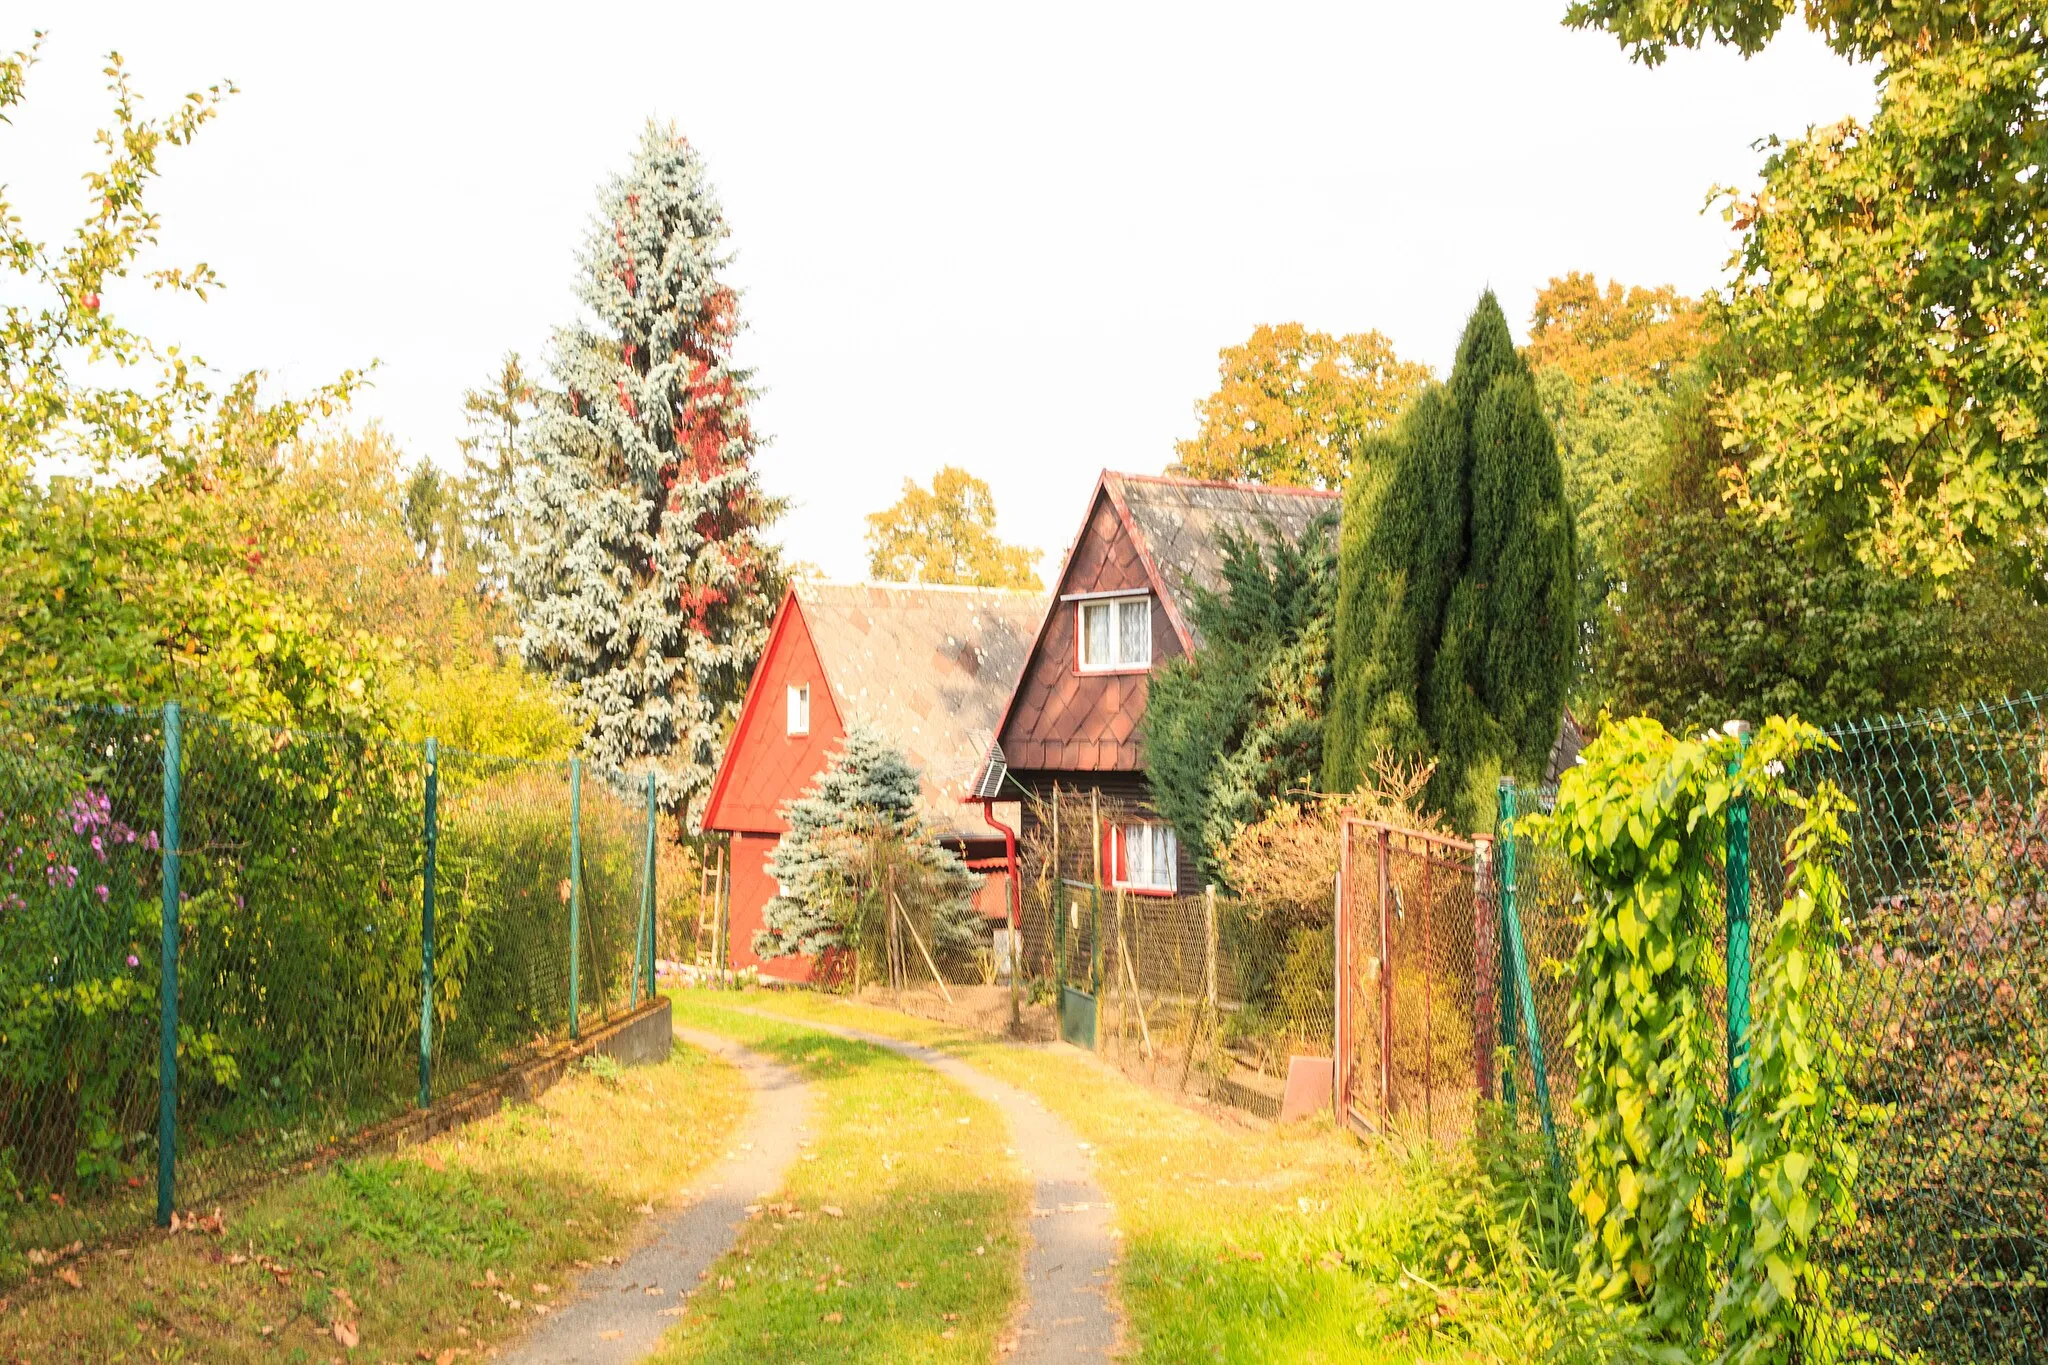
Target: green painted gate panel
[[1077, 1018]]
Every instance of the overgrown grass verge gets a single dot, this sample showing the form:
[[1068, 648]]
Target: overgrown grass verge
[[432, 1253], [896, 1238], [1287, 1244]]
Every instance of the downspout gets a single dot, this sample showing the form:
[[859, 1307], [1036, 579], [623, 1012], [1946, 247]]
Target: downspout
[[988, 815]]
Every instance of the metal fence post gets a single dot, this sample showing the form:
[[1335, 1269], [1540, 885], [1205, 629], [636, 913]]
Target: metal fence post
[[1518, 961], [1738, 924], [575, 896], [167, 1056], [432, 836], [1340, 951], [1504, 872], [647, 886], [1386, 980], [1485, 965]]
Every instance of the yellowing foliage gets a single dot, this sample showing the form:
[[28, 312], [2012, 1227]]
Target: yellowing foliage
[[947, 534], [1631, 335], [1291, 404]]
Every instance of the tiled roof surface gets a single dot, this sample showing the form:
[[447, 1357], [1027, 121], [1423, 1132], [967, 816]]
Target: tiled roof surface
[[1183, 520], [931, 667]]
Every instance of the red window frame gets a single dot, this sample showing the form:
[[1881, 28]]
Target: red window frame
[[1113, 859]]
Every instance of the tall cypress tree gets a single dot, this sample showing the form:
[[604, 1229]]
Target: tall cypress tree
[[1399, 551], [646, 590], [1454, 618]]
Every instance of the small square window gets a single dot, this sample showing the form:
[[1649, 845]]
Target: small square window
[[799, 708], [1116, 634], [1146, 857]]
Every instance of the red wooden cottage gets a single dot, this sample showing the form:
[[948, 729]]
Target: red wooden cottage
[[931, 667], [1122, 608]]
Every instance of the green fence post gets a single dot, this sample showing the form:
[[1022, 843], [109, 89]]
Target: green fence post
[[1738, 924], [575, 892], [640, 925], [648, 885], [433, 835], [1504, 871], [167, 1055], [1519, 957]]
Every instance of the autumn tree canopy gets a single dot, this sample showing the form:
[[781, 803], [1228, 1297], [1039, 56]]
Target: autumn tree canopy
[[947, 534], [1291, 404], [1886, 295], [1606, 359]]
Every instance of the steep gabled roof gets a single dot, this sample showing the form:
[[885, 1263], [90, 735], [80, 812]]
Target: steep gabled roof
[[1179, 525], [1176, 526], [930, 667]]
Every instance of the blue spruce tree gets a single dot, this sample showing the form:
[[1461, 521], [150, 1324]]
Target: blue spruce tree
[[643, 587], [854, 839]]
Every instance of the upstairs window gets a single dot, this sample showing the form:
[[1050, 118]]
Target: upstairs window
[[799, 708], [1116, 634], [1144, 856]]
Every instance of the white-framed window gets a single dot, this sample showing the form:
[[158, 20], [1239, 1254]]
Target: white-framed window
[[799, 708], [1116, 634], [1145, 857]]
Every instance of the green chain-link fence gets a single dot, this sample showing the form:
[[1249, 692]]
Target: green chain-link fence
[[299, 874], [1941, 1009]]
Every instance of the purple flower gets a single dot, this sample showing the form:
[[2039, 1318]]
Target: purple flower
[[134, 961], [103, 893]]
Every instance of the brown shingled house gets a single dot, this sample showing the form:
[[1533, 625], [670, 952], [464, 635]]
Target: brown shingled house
[[1122, 608], [931, 667]]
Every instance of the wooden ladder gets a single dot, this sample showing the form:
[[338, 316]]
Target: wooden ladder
[[710, 905]]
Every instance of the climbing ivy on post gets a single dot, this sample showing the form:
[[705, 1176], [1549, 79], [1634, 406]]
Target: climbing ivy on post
[[1644, 819], [1641, 818], [1791, 1166]]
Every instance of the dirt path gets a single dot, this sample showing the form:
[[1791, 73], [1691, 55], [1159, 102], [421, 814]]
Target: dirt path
[[621, 1311], [1069, 1311]]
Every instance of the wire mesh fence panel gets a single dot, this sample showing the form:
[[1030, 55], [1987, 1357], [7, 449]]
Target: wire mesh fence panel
[[1431, 1085], [1547, 908], [1359, 1017], [308, 1006], [1941, 1007], [1211, 993], [1159, 1023], [300, 859], [614, 856], [1940, 1011], [80, 866], [1410, 1060]]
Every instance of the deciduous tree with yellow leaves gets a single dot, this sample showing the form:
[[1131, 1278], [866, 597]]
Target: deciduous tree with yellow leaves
[[1291, 404], [947, 534]]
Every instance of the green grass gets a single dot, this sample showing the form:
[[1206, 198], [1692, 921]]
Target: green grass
[[923, 1261], [1242, 1243], [447, 1246]]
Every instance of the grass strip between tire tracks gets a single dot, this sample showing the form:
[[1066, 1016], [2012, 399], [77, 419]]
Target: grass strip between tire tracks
[[440, 1249], [898, 1234], [1241, 1242]]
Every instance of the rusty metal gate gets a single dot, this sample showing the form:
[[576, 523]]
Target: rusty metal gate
[[1411, 1043]]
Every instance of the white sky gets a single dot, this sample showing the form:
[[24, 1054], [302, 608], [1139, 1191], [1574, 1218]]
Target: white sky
[[1011, 238]]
